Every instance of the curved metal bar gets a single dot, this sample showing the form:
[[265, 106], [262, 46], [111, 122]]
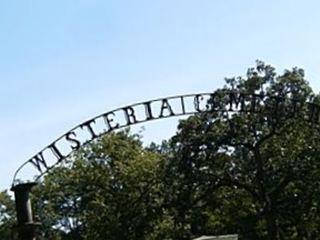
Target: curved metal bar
[[236, 101], [123, 126]]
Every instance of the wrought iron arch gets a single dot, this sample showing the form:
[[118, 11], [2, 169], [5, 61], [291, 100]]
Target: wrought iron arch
[[174, 106]]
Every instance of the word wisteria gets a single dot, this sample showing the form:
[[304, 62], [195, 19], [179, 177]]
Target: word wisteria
[[223, 101]]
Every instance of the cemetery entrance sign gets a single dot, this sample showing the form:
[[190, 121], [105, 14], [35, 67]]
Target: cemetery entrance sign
[[119, 118], [221, 101]]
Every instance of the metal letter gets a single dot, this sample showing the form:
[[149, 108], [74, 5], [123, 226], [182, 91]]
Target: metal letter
[[73, 140], [38, 161], [89, 127], [236, 99], [56, 152], [197, 99], [148, 111], [182, 105], [166, 106], [130, 115], [108, 121]]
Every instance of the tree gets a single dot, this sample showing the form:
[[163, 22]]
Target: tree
[[249, 164], [7, 216], [110, 190], [254, 171]]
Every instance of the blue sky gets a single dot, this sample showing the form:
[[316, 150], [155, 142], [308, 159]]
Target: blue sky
[[63, 62]]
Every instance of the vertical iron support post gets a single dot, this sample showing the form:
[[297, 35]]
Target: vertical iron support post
[[26, 226]]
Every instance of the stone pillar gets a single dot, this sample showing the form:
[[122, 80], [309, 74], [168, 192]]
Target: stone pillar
[[26, 226]]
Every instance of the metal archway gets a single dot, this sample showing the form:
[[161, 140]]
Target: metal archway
[[174, 106]]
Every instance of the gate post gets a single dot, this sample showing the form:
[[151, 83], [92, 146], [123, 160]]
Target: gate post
[[26, 226]]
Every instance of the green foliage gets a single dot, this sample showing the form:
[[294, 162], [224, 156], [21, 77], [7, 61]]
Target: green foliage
[[111, 189], [7, 216], [256, 174], [252, 173]]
